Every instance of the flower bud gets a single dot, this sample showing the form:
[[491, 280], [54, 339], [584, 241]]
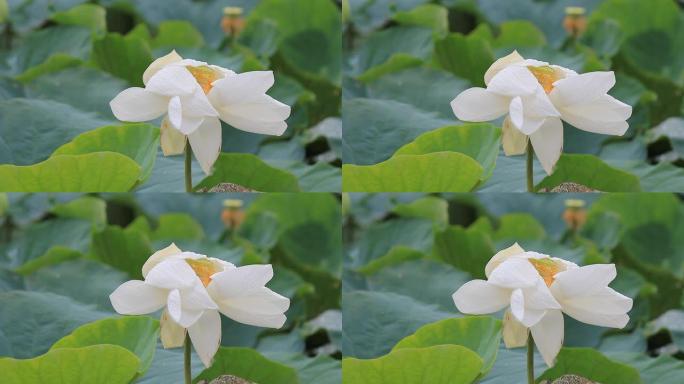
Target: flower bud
[[575, 215], [232, 22], [575, 22], [232, 215]]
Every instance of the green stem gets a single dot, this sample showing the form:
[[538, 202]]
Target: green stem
[[188, 350], [530, 167], [530, 360], [188, 167]]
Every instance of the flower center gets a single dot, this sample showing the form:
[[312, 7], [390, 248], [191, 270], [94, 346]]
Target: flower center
[[205, 76], [203, 269], [547, 268], [545, 75]]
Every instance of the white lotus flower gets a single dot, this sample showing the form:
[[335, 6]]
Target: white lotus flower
[[193, 289], [536, 96], [580, 292], [192, 96]]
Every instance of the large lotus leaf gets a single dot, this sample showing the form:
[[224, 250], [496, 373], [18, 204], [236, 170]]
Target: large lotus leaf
[[68, 279], [318, 370], [368, 14], [662, 177], [468, 249], [375, 129], [480, 141], [591, 172], [519, 226], [93, 209], [179, 226], [465, 56], [408, 278], [177, 33], [250, 365], [428, 207], [168, 174], [433, 172], [663, 369], [380, 238], [94, 364], [86, 89], [429, 15], [510, 367], [591, 364], [137, 141], [24, 120], [137, 334], [126, 57], [167, 367], [509, 175], [673, 322], [320, 177], [441, 364], [40, 238], [126, 249], [374, 321], [481, 334], [251, 172], [304, 26], [408, 86], [380, 48], [93, 172], [91, 16], [30, 322], [38, 46]]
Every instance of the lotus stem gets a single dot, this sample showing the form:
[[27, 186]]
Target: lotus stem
[[187, 367], [530, 360], [530, 167], [188, 167]]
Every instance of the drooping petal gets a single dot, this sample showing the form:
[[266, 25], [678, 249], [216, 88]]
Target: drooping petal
[[547, 142], [497, 66], [172, 274], [516, 113], [179, 311], [206, 143], [135, 297], [583, 88], [502, 256], [514, 332], [175, 112], [172, 80], [514, 142], [172, 57], [172, 140], [514, 273], [478, 297], [583, 281], [158, 257], [548, 335], [521, 309], [518, 304], [607, 308], [171, 333], [260, 307], [242, 87], [205, 334], [614, 128], [478, 104], [263, 115], [138, 104], [235, 281], [603, 109], [514, 81]]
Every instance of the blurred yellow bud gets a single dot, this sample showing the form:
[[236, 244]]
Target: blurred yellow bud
[[575, 22], [232, 22], [232, 214], [575, 215]]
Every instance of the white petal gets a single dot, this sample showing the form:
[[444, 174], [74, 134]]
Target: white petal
[[172, 57], [478, 104], [614, 128], [172, 80], [548, 335], [179, 311], [242, 279], [502, 256], [514, 273], [158, 257], [137, 104], [172, 140], [172, 274], [478, 297], [514, 81], [242, 87], [137, 298], [540, 105], [206, 143], [514, 142], [262, 308], [518, 304], [583, 281], [547, 142], [516, 113], [263, 115], [206, 336], [514, 332], [540, 297], [603, 109], [172, 334], [197, 104], [497, 66], [583, 88], [197, 298], [175, 114]]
